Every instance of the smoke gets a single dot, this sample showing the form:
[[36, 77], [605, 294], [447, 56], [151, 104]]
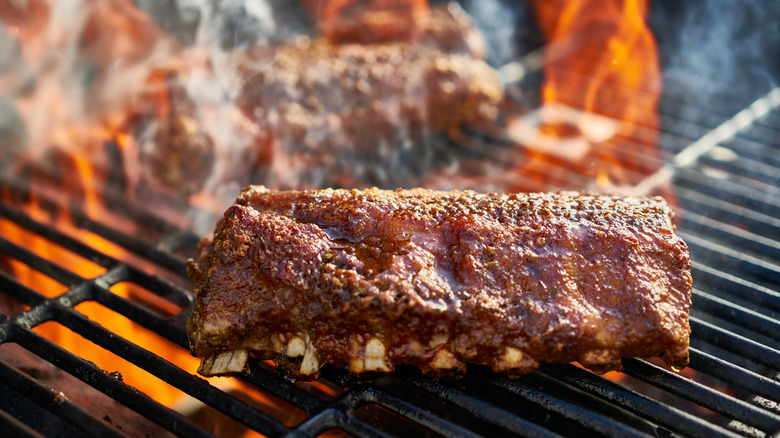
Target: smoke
[[718, 51], [146, 92], [229, 24], [508, 27], [497, 22], [75, 74]]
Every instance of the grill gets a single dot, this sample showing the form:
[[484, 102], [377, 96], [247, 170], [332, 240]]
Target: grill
[[724, 169]]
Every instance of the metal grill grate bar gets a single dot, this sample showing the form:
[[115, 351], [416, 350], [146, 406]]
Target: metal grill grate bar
[[755, 197], [710, 278], [744, 146], [51, 270], [373, 394], [477, 407], [735, 343], [101, 380], [283, 388], [336, 418], [169, 373], [747, 318], [744, 167], [731, 260], [56, 402], [704, 144], [584, 416], [20, 292], [728, 372], [730, 235], [50, 233], [671, 418], [13, 427]]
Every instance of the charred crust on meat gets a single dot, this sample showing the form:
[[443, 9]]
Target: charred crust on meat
[[371, 279]]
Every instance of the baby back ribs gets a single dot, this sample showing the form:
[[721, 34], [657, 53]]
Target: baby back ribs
[[371, 279]]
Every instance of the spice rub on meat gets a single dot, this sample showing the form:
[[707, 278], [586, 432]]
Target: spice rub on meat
[[371, 279]]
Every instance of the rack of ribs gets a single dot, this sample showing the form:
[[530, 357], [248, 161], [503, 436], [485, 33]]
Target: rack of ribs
[[371, 279], [358, 114]]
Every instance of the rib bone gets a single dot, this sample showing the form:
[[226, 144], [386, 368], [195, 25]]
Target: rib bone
[[374, 357], [444, 360], [310, 364], [277, 343], [513, 357], [226, 362], [437, 339], [296, 347], [356, 365]]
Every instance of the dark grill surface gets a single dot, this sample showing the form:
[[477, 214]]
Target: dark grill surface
[[724, 167]]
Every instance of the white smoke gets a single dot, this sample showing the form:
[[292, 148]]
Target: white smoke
[[719, 50], [498, 23]]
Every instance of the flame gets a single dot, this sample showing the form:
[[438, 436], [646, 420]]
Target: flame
[[156, 389], [64, 222], [68, 164], [601, 91]]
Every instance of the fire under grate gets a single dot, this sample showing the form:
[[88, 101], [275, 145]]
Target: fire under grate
[[728, 216]]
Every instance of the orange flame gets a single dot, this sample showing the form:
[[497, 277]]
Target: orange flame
[[73, 169], [602, 85], [63, 221], [86, 184]]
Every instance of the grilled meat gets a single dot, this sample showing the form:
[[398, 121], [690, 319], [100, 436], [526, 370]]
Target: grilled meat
[[357, 115], [372, 279], [310, 112], [369, 21]]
